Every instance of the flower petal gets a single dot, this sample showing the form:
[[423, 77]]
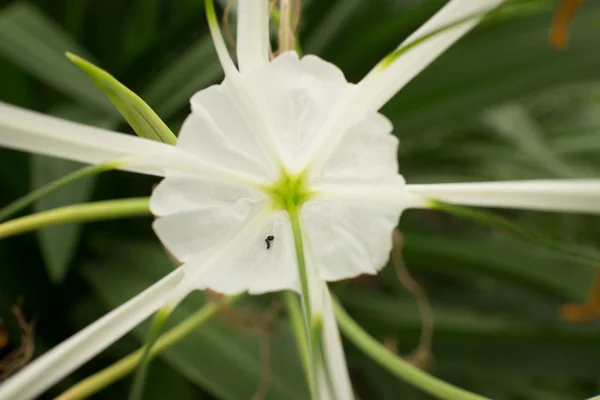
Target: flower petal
[[250, 264], [195, 215], [550, 195], [241, 243], [57, 363], [295, 97], [217, 37], [348, 238], [382, 83], [389, 195], [368, 153], [333, 381], [252, 34], [217, 132], [334, 352], [237, 89], [26, 130]]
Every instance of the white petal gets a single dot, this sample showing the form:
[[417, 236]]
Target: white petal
[[335, 370], [195, 215], [334, 352], [216, 131], [381, 84], [389, 194], [30, 131], [224, 230], [250, 265], [252, 34], [217, 37], [349, 225], [237, 90], [551, 195], [368, 153], [57, 363], [295, 97], [348, 238]]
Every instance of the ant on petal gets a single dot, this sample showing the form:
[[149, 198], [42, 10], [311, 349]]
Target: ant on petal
[[268, 241]]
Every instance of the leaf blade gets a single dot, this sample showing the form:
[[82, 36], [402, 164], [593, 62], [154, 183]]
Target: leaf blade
[[140, 116]]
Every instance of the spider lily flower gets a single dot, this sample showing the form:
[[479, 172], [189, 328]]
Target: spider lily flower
[[285, 176]]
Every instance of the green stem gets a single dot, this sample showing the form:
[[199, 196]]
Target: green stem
[[139, 381], [299, 246], [308, 317], [97, 211], [121, 368], [296, 322], [25, 201], [396, 365]]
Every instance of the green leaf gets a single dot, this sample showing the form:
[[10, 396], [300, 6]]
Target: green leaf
[[216, 354], [35, 43], [325, 32], [473, 342], [539, 268], [165, 382], [59, 243], [140, 116], [496, 63], [143, 27], [530, 234], [514, 122], [194, 69], [25, 201]]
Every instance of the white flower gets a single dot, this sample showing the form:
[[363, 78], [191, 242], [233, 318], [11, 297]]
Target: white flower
[[275, 139]]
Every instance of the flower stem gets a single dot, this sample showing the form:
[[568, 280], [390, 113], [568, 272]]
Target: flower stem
[[97, 211], [304, 287], [296, 322], [299, 246], [396, 365], [139, 381], [127, 364], [25, 201]]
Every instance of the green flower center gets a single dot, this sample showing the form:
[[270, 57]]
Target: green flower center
[[289, 192]]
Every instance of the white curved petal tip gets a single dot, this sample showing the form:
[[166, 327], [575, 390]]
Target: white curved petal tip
[[334, 353], [30, 131], [547, 195], [253, 34], [220, 46], [60, 361], [449, 24]]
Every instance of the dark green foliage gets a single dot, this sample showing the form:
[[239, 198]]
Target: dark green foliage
[[495, 299]]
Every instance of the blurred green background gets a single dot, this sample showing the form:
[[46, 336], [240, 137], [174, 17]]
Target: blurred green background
[[502, 104]]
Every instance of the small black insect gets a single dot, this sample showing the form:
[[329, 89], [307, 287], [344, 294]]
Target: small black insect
[[268, 241]]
